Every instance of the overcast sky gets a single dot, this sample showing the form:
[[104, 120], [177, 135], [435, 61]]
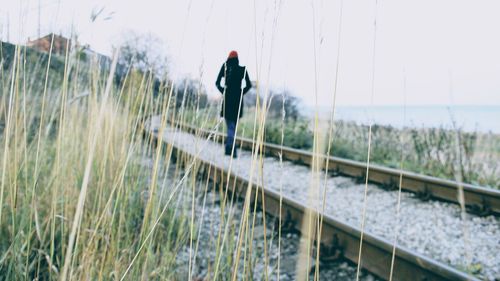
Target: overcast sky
[[448, 50]]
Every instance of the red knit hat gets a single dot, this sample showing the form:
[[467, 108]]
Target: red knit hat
[[233, 54]]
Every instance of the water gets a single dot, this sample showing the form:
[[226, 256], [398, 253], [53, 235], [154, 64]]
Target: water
[[468, 118]]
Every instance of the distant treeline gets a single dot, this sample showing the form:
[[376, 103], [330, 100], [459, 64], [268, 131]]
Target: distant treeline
[[36, 63]]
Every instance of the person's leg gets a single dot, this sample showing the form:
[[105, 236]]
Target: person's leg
[[226, 141], [231, 128]]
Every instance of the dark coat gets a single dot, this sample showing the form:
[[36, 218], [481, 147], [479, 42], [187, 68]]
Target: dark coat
[[233, 75]]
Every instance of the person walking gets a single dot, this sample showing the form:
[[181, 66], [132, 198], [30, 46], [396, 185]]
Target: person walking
[[232, 104]]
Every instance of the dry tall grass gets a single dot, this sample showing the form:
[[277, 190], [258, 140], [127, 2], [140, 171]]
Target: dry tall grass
[[75, 201]]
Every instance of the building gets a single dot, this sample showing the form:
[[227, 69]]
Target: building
[[43, 44], [84, 52]]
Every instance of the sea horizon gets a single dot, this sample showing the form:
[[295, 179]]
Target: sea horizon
[[469, 118]]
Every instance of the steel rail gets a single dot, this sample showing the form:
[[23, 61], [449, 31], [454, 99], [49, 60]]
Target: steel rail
[[338, 239], [478, 200]]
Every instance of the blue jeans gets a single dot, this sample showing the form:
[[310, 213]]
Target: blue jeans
[[231, 130]]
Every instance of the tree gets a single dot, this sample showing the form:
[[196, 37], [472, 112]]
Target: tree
[[142, 52], [250, 98], [284, 100], [190, 93]]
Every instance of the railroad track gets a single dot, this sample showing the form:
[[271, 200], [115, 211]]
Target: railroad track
[[337, 238], [478, 200]]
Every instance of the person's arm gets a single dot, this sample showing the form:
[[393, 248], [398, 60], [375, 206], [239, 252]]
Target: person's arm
[[219, 78], [248, 83]]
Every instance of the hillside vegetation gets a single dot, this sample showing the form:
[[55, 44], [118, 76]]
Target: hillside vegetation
[[76, 201], [430, 151]]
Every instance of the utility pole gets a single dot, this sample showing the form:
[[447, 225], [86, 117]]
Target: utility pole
[[8, 27], [39, 16], [1, 28]]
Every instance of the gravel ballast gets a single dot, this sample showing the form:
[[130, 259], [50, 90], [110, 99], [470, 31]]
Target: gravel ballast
[[432, 228], [207, 222]]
